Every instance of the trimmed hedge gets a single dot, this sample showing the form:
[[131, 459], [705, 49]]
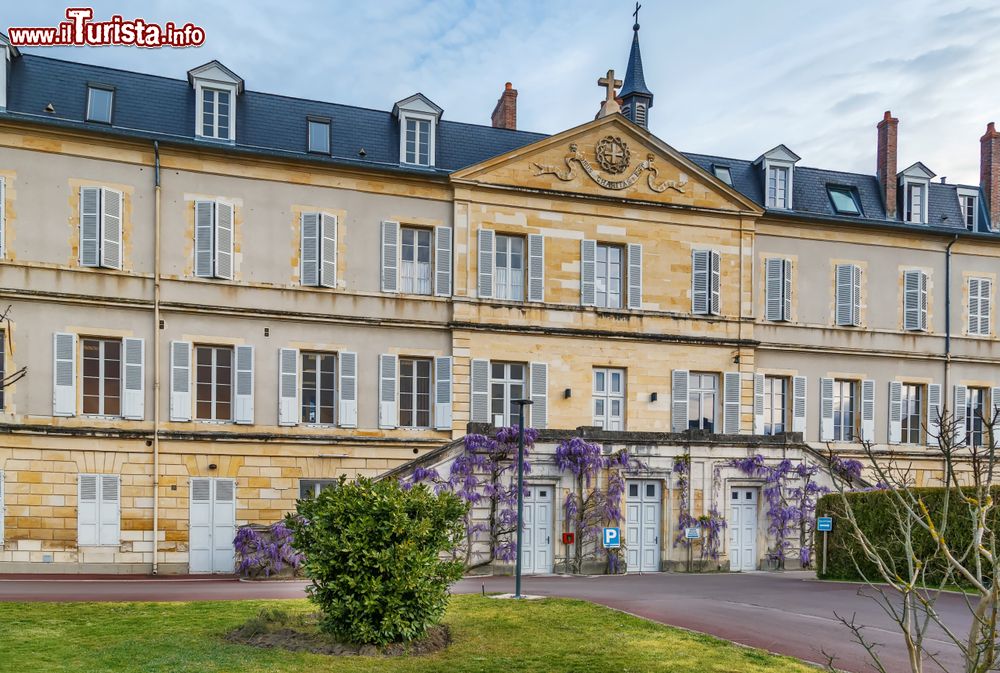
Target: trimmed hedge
[[875, 512]]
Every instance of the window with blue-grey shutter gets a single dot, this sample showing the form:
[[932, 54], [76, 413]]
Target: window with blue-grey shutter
[[635, 276], [204, 239], [705, 282], [348, 389], [868, 410], [98, 510], [914, 300], [758, 404], [442, 392], [777, 289], [442, 261], [388, 416], [390, 256], [539, 381], [731, 403], [328, 250], [536, 267], [848, 295], [799, 385], [480, 384], [895, 434], [933, 414], [310, 249], [223, 240], [960, 413], [288, 386], [243, 410], [180, 380], [90, 226], [826, 410], [588, 272], [64, 374], [134, 388], [111, 229], [980, 292], [484, 286], [679, 380]]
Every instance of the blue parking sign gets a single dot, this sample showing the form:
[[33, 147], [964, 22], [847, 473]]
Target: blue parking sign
[[824, 524], [612, 538]]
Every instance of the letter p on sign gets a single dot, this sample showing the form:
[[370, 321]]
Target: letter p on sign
[[612, 538]]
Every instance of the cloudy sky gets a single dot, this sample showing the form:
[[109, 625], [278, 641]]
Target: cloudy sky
[[731, 77]]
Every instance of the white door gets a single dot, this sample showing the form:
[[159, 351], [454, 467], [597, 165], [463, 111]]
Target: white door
[[743, 529], [213, 525], [537, 555], [642, 525]]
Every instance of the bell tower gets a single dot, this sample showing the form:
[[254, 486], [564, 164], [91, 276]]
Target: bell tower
[[636, 98]]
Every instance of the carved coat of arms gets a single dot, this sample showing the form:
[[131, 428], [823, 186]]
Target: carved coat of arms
[[613, 156]]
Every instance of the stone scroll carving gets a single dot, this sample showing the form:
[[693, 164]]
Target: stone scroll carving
[[613, 156]]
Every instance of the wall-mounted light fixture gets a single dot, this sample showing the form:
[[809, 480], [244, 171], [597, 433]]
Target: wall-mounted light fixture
[[568, 393], [213, 466], [653, 397]]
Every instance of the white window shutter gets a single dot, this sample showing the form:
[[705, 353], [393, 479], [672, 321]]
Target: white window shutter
[[679, 379], [442, 392], [243, 409], [180, 381], [973, 326], [63, 374], [387, 410], [895, 412], [985, 297], [773, 283], [844, 295], [994, 421], [348, 389], [480, 384], [786, 309], [716, 284], [3, 253], [536, 267], [731, 403], [868, 410], [109, 510], [923, 300], [933, 414], [442, 263], [635, 276], [825, 410], [911, 300], [539, 395], [87, 504], [390, 256], [328, 250], [224, 228], [288, 386], [588, 272], [484, 285], [799, 386], [855, 295], [204, 238], [960, 398], [309, 274], [111, 228], [758, 404], [90, 226], [700, 282], [134, 390]]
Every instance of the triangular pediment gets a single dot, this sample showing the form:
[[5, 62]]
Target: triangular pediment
[[612, 158]]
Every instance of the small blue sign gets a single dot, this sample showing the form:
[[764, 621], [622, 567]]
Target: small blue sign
[[612, 538], [692, 533], [824, 524]]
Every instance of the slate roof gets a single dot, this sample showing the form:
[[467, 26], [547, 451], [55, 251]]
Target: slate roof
[[635, 82], [161, 108]]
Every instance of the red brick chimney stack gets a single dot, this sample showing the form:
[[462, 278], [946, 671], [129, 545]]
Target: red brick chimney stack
[[886, 162], [505, 113], [989, 172]]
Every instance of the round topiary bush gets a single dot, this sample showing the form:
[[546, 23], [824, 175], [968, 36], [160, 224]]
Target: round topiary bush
[[375, 555]]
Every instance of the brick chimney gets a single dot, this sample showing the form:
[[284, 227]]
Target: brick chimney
[[989, 172], [886, 162], [505, 113]]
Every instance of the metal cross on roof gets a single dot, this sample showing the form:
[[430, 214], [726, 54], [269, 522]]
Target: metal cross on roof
[[636, 15], [609, 83]]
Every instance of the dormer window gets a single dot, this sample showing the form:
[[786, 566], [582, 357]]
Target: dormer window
[[319, 135], [915, 184], [99, 103], [968, 202], [779, 176], [216, 88], [723, 173], [418, 120]]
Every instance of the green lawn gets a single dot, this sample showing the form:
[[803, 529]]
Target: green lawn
[[489, 635]]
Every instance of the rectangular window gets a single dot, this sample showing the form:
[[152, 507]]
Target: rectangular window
[[777, 187], [967, 202], [506, 385], [724, 174], [914, 202], [702, 394], [415, 261], [844, 410], [912, 401], [310, 488], [609, 398], [414, 393], [847, 295], [980, 290], [914, 300], [418, 141], [101, 227], [102, 377], [509, 268], [214, 383], [844, 200], [608, 276], [215, 114], [99, 102], [975, 413], [775, 396], [319, 136], [319, 388], [3, 377], [778, 289]]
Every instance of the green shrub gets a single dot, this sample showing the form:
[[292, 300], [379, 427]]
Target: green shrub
[[374, 553], [876, 514]]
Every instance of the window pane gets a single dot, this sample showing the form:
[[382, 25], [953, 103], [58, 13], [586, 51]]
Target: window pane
[[99, 105], [319, 137]]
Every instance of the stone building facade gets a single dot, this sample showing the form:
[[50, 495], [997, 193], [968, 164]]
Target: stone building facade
[[220, 300]]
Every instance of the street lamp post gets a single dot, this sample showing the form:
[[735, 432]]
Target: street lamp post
[[521, 404]]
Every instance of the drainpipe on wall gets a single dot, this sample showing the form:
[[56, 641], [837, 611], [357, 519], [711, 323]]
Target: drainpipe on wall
[[156, 356], [947, 318]]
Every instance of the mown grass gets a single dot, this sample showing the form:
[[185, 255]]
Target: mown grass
[[551, 636]]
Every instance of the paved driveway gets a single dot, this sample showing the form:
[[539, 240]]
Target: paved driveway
[[788, 613]]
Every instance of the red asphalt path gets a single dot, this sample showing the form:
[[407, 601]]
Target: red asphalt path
[[787, 613]]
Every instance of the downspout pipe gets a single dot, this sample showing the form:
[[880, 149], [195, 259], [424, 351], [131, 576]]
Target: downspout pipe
[[156, 356], [947, 315]]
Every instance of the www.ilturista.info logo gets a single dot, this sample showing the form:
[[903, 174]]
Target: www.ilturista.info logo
[[79, 30]]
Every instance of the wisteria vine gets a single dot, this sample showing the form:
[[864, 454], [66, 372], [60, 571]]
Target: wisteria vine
[[265, 552], [712, 522]]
